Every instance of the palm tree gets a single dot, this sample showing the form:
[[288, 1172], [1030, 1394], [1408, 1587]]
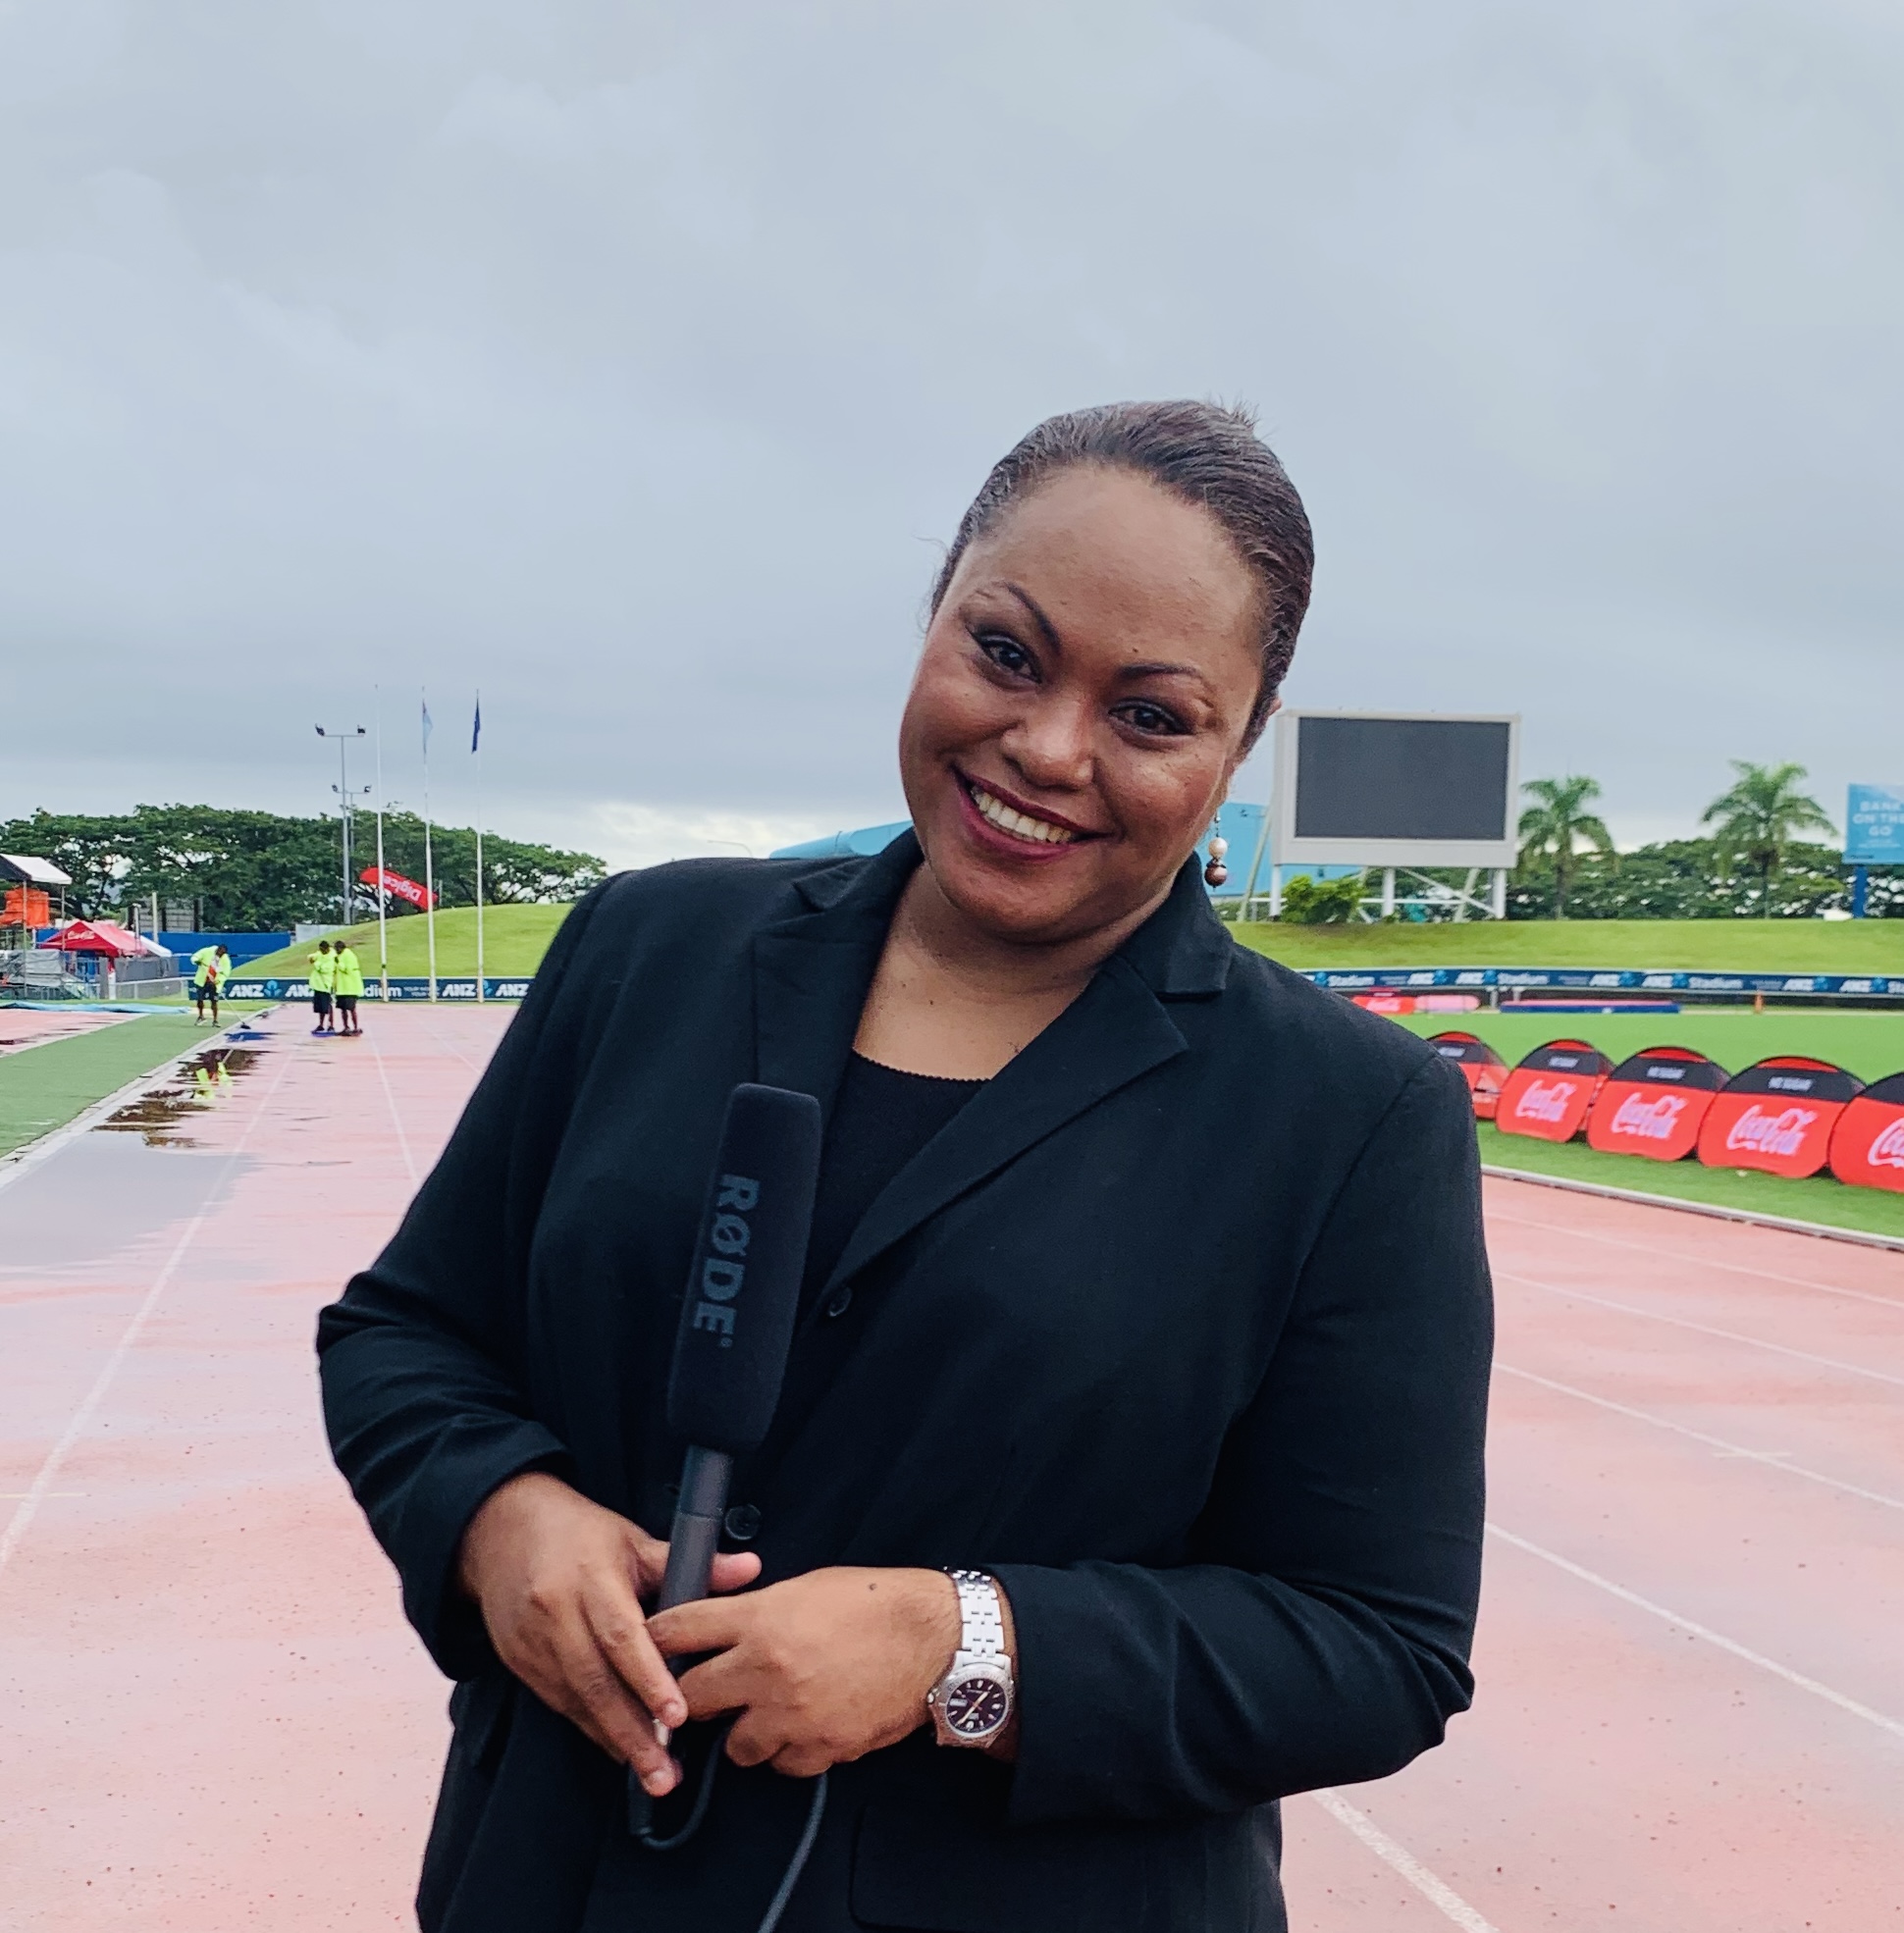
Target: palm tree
[[1556, 824], [1758, 816]]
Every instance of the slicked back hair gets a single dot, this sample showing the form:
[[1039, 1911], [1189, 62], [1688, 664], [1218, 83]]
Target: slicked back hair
[[1206, 454]]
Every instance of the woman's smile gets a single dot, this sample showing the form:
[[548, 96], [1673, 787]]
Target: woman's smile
[[1007, 825]]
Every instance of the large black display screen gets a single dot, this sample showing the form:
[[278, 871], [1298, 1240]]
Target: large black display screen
[[1401, 778]]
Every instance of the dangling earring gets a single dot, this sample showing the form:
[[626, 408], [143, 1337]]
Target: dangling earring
[[1216, 872]]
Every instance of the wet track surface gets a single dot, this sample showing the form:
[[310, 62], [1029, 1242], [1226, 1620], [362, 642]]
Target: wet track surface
[[1691, 1713]]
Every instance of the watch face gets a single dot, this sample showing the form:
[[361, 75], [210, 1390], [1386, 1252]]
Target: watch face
[[975, 1706]]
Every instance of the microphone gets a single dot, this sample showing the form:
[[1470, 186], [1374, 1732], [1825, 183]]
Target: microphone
[[743, 1292]]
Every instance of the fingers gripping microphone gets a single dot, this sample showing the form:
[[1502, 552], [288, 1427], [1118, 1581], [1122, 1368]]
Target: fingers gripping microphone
[[730, 1358], [730, 1352]]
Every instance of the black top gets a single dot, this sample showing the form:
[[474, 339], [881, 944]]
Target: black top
[[1179, 1328], [881, 1117]]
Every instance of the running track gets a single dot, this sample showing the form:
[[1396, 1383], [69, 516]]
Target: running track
[[1691, 1716]]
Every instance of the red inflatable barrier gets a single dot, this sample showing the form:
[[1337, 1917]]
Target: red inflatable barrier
[[1777, 1117], [1550, 1091], [1867, 1143], [1481, 1066], [1653, 1104]]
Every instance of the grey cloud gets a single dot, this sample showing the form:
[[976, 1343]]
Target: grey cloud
[[630, 361]]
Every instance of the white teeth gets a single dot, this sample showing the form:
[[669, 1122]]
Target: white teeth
[[1021, 825]]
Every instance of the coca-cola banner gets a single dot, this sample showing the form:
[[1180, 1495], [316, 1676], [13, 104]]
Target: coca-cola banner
[[1481, 1066], [397, 887], [1550, 1093], [1777, 1117], [1867, 1143], [1655, 1104]]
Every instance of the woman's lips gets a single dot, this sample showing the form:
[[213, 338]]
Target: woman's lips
[[1005, 827]]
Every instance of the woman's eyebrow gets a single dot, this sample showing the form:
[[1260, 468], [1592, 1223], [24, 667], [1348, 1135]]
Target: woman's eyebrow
[[1046, 629], [1161, 670]]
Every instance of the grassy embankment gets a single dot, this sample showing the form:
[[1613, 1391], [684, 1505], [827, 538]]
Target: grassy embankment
[[1719, 945], [43, 1087], [514, 939]]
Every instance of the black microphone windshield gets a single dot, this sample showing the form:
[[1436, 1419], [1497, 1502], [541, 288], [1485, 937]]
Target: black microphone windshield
[[743, 1292]]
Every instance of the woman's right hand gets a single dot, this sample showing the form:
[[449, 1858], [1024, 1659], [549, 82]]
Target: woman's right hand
[[560, 1583]]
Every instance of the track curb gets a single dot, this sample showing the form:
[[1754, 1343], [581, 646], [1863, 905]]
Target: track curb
[[1711, 1209], [30, 1154]]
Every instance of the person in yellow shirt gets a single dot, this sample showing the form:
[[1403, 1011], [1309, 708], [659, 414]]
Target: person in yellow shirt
[[210, 965], [323, 976], [349, 971]]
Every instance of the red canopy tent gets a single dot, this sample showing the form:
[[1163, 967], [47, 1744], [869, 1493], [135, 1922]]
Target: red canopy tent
[[97, 936]]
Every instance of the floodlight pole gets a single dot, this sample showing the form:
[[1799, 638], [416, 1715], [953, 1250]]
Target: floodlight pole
[[383, 895], [343, 734]]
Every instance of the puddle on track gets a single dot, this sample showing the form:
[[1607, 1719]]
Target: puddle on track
[[163, 1113]]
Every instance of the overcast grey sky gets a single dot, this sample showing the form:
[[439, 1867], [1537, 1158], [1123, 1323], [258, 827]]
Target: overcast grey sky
[[632, 361]]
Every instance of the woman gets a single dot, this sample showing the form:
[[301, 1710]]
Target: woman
[[1146, 1286]]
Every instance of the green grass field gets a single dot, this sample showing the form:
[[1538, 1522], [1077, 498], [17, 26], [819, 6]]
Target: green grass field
[[514, 939], [43, 1087], [1750, 946], [1870, 1045]]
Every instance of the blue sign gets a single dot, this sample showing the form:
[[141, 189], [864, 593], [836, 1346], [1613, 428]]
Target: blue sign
[[1874, 825], [461, 990]]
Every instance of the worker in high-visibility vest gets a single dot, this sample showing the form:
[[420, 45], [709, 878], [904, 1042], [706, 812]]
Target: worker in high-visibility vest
[[210, 965], [349, 985], [323, 978]]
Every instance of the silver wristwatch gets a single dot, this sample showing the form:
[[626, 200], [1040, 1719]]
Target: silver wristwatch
[[973, 1703]]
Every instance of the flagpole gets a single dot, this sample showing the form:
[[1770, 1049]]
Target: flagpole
[[476, 746], [383, 897], [429, 864]]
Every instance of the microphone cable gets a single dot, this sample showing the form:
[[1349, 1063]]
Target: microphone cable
[[644, 1830]]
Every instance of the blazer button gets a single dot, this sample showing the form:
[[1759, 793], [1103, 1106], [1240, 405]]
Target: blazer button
[[743, 1522], [841, 1302]]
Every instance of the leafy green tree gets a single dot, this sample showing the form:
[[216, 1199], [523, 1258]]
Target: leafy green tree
[[1557, 824], [1760, 815], [1310, 902], [92, 850]]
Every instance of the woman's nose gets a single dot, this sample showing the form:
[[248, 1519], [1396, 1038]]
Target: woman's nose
[[1051, 744]]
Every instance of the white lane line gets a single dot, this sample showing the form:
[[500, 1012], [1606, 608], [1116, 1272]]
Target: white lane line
[[1884, 1722], [42, 1485], [1436, 1891], [1701, 1328], [396, 1120], [1706, 1262], [1776, 1459]]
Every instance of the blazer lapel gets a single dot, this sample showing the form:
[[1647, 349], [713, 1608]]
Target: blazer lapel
[[812, 972], [1116, 1030]]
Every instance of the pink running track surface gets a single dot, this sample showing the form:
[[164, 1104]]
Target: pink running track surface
[[1691, 1710]]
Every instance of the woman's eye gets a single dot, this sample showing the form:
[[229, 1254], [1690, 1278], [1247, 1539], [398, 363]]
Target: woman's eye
[[1152, 720], [1006, 652]]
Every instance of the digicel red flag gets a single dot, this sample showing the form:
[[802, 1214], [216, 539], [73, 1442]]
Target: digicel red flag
[[1867, 1143], [1481, 1066], [1653, 1104], [395, 884], [1777, 1117], [1549, 1092]]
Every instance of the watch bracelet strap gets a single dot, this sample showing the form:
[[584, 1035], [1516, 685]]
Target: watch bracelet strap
[[981, 1620]]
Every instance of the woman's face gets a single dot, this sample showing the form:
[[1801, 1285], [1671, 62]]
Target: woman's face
[[1080, 705]]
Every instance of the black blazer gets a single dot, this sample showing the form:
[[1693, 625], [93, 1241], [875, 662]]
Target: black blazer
[[1181, 1328]]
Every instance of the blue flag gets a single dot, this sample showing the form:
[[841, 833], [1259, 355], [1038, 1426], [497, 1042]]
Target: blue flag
[[476, 732], [426, 727]]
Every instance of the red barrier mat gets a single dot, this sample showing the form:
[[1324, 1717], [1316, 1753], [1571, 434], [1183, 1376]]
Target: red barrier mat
[[1654, 1103], [1550, 1091], [1867, 1143], [1777, 1117], [1481, 1066]]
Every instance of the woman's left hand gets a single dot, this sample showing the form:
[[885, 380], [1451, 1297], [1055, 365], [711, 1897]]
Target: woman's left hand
[[822, 1668]]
